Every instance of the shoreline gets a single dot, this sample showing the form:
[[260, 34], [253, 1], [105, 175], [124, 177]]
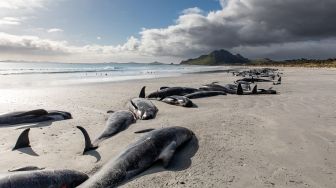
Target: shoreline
[[284, 140]]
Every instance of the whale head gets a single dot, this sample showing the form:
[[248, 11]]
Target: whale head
[[62, 114]]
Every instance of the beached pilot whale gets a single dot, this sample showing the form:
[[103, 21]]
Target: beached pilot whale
[[143, 108], [255, 91], [169, 91], [43, 179], [252, 80], [33, 116], [228, 88], [178, 101], [202, 94], [157, 145], [117, 122]]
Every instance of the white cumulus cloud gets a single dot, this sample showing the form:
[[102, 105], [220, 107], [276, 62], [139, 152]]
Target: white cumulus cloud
[[10, 21], [55, 30], [21, 4], [194, 10]]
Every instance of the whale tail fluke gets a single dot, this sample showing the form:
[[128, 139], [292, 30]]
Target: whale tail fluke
[[144, 131], [278, 82], [23, 140], [240, 90], [88, 144], [143, 92]]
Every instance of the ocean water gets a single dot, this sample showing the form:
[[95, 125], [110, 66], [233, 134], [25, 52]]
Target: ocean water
[[25, 74]]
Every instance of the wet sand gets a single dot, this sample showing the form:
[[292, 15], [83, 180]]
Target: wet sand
[[284, 140]]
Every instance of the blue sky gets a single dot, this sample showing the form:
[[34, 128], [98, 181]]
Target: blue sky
[[114, 20], [166, 31]]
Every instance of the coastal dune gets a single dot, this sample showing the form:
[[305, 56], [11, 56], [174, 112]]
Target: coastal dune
[[283, 140]]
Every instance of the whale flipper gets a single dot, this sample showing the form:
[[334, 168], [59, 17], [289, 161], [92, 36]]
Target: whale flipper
[[144, 131], [26, 168], [164, 87], [134, 106], [168, 153], [255, 89], [240, 90], [88, 144], [142, 92], [23, 140]]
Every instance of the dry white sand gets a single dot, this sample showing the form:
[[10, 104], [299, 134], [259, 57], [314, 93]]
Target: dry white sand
[[284, 140]]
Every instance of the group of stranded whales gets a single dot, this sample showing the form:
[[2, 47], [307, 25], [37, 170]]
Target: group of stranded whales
[[156, 145], [181, 96]]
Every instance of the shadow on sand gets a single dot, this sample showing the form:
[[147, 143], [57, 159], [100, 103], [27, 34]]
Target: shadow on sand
[[194, 106], [94, 153], [35, 125], [180, 161], [28, 151]]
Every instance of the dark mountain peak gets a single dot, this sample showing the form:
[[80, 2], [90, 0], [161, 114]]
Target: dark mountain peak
[[217, 57]]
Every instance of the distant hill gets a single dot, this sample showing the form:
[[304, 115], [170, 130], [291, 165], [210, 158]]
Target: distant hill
[[156, 63], [218, 57]]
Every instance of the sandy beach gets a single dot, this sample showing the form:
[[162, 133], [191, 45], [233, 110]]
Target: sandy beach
[[283, 140]]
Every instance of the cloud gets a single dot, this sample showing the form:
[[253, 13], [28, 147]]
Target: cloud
[[55, 30], [278, 29], [291, 50], [99, 38], [36, 48], [10, 21], [194, 10], [31, 44], [21, 4], [243, 23], [223, 3]]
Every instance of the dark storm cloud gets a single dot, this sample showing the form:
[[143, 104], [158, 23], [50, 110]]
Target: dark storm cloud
[[247, 24]]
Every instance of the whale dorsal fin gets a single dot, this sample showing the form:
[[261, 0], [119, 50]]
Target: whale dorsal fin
[[240, 90], [167, 154], [255, 89], [23, 140], [144, 131], [88, 144], [142, 92]]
